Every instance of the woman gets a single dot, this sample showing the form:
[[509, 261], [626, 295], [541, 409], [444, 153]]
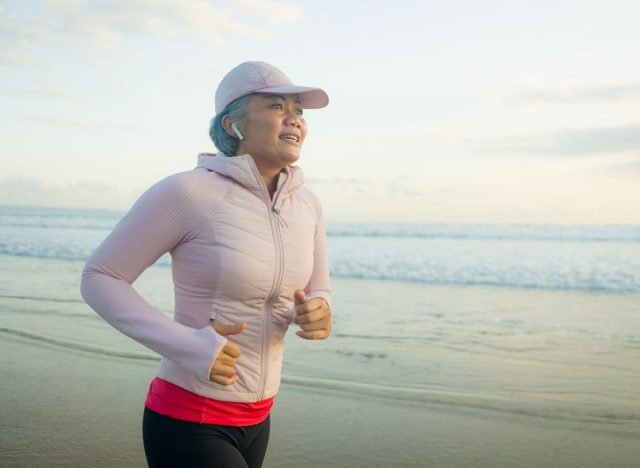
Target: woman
[[247, 243]]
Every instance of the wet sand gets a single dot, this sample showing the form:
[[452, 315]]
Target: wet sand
[[64, 407]]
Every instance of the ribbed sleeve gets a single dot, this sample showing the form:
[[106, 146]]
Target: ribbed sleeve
[[165, 215]]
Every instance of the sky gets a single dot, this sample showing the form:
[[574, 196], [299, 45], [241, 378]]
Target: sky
[[440, 112]]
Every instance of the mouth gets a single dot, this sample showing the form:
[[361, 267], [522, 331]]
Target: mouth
[[290, 137]]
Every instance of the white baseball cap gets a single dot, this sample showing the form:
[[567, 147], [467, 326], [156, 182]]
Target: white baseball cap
[[261, 77]]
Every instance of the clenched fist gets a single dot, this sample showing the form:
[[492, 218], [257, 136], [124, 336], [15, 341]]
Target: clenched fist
[[223, 370], [313, 315]]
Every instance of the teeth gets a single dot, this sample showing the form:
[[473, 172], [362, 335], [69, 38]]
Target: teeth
[[289, 137]]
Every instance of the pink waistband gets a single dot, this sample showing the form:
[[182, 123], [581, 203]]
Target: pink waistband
[[171, 400]]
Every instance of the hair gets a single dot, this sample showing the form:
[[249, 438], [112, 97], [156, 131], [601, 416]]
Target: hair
[[236, 110]]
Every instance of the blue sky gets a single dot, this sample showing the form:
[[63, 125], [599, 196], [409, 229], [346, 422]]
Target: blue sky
[[460, 111]]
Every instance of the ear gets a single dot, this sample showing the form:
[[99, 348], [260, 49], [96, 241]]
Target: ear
[[226, 124]]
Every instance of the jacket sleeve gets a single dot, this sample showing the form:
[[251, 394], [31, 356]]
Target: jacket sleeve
[[319, 284], [157, 222]]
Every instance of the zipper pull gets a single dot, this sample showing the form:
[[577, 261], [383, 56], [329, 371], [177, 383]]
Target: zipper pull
[[276, 210]]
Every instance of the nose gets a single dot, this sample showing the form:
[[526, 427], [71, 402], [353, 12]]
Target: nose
[[293, 118]]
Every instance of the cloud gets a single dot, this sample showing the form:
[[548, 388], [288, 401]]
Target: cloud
[[17, 55], [271, 10], [344, 181], [203, 19], [594, 141], [397, 189], [51, 92], [96, 28], [601, 93], [63, 122], [346, 186], [19, 37], [42, 192], [630, 168], [112, 21]]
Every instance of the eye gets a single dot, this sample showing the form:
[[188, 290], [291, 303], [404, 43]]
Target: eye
[[276, 106], [299, 111]]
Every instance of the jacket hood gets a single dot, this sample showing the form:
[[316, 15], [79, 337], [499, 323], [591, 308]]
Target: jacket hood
[[243, 170]]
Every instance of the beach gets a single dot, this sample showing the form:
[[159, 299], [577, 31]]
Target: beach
[[501, 363], [75, 409], [66, 407], [470, 169]]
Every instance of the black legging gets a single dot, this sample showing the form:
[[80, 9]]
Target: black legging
[[170, 443]]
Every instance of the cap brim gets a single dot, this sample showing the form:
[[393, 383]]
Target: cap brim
[[310, 98]]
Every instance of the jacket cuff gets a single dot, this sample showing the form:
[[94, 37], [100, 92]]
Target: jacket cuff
[[323, 294], [211, 343]]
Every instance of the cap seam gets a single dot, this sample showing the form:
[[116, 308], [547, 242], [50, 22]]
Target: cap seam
[[259, 74]]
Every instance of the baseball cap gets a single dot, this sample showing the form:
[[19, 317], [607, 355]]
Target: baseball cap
[[261, 77]]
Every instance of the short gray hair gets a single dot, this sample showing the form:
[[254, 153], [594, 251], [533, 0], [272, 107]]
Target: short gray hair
[[237, 110]]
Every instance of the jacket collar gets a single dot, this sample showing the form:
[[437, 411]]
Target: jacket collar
[[243, 170]]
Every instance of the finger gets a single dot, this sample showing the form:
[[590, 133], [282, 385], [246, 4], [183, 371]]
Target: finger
[[319, 325], [312, 316], [225, 380], [326, 323], [313, 335], [231, 349], [299, 296], [311, 305], [223, 370], [226, 359], [226, 329]]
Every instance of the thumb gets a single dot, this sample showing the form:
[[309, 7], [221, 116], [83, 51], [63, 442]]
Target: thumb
[[226, 330], [299, 296]]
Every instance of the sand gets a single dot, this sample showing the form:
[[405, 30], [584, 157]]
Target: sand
[[63, 407]]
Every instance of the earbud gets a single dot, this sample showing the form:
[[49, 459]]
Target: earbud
[[236, 131]]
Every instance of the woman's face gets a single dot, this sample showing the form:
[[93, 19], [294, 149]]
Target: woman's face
[[273, 129]]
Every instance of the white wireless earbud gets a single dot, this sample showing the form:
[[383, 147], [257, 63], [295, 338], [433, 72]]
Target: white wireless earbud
[[236, 131]]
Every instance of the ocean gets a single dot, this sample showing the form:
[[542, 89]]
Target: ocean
[[539, 321]]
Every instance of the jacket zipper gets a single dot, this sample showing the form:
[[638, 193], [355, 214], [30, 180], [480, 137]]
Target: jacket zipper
[[274, 212]]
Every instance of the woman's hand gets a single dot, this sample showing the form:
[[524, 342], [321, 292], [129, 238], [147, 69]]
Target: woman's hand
[[223, 370], [314, 317]]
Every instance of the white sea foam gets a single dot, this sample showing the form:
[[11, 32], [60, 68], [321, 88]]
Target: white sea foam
[[593, 258], [522, 232]]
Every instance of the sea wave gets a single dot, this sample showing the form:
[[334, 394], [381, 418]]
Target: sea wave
[[58, 223], [76, 346], [65, 312], [558, 411], [556, 257], [507, 278], [565, 233], [50, 249], [44, 299], [60, 218], [84, 219], [583, 269]]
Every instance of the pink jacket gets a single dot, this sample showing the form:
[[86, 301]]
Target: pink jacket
[[236, 256]]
